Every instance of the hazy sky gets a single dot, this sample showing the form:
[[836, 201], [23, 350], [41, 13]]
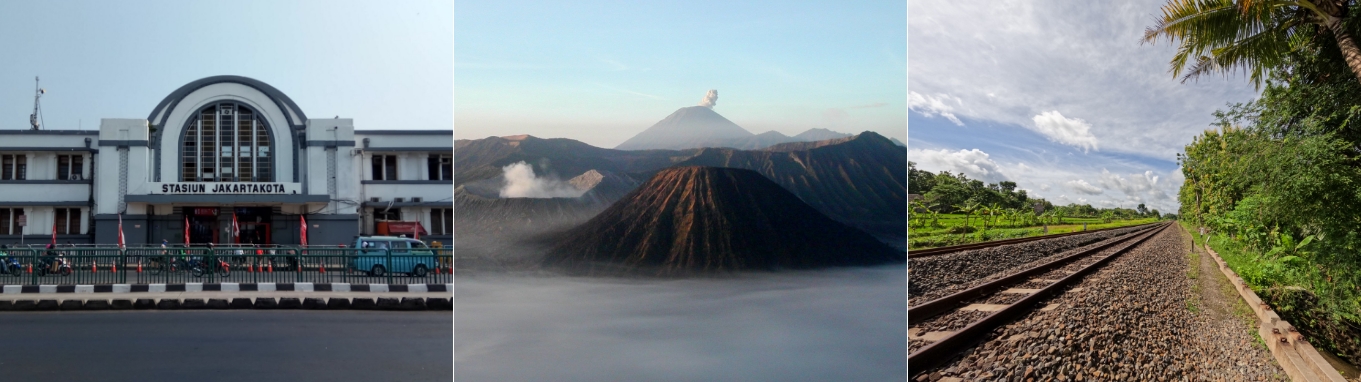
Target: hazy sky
[[388, 65], [602, 71], [1059, 97]]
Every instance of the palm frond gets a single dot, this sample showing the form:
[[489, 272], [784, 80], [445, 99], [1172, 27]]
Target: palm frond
[[1227, 35]]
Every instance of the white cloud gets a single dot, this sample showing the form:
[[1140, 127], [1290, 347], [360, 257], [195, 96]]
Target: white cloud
[[1138, 188], [1011, 60], [1081, 186], [1068, 131], [975, 163], [931, 106], [1044, 187]]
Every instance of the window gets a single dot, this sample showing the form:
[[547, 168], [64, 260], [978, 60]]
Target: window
[[15, 167], [9, 221], [70, 167], [384, 167], [392, 214], [441, 167], [67, 221], [389, 215], [441, 221], [228, 142]]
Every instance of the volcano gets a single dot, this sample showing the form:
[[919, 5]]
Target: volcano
[[707, 219], [689, 127]]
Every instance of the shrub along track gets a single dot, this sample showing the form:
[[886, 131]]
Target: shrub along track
[[1132, 320], [939, 276]]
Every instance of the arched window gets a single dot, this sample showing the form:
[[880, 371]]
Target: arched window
[[226, 142]]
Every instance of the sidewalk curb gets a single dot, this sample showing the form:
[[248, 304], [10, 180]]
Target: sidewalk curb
[[310, 303], [1296, 356]]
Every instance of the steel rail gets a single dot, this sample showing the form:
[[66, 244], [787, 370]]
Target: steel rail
[[987, 244], [941, 351], [935, 307]]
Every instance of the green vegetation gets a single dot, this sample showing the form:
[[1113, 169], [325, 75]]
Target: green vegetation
[[1278, 182], [958, 210], [1253, 36]]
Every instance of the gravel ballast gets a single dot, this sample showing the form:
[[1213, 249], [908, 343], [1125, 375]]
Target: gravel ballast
[[934, 277], [1133, 320]]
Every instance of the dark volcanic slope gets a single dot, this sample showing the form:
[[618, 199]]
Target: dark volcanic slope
[[715, 219], [689, 127], [861, 181]]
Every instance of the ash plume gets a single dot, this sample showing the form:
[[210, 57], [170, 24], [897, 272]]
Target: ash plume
[[710, 99], [520, 182]]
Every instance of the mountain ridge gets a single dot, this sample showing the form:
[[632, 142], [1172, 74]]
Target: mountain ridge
[[707, 219]]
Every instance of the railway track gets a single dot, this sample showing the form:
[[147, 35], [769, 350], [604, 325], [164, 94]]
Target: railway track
[[1001, 301], [919, 253]]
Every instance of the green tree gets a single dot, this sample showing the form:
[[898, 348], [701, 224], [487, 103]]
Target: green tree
[[1252, 36]]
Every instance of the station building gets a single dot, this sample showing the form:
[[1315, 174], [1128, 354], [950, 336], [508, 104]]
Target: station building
[[218, 148]]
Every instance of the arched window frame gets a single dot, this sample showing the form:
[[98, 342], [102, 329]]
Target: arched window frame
[[259, 123]]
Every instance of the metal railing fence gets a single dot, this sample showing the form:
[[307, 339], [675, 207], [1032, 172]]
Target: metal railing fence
[[178, 265]]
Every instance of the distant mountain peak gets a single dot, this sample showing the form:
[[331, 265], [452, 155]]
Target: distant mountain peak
[[687, 127]]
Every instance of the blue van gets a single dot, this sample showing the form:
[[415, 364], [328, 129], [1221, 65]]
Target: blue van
[[409, 256]]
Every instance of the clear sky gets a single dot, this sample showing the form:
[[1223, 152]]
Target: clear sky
[[602, 71], [1057, 96], [388, 65]]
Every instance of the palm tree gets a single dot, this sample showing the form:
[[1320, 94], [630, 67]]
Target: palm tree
[[1251, 35]]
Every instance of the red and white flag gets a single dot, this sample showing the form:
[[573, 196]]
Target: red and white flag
[[54, 234], [236, 229], [303, 230], [121, 243]]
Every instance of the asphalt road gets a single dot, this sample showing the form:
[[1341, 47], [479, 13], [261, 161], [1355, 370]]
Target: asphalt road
[[226, 346]]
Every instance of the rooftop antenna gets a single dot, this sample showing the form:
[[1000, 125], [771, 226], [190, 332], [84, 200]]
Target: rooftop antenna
[[37, 93]]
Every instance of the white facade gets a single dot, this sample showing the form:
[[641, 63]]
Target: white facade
[[218, 148]]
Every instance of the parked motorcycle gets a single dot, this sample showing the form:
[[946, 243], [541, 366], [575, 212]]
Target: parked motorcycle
[[9, 264], [63, 267], [198, 265]]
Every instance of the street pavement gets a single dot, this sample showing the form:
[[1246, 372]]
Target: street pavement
[[231, 345]]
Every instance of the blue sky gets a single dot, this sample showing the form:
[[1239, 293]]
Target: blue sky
[[1061, 98], [388, 65], [602, 71]]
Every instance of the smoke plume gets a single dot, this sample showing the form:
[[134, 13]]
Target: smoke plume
[[520, 182], [710, 99]]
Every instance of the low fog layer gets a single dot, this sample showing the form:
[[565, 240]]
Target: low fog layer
[[520, 182], [842, 324]]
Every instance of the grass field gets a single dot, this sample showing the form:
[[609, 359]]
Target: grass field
[[951, 230]]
